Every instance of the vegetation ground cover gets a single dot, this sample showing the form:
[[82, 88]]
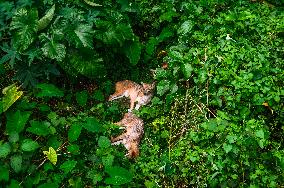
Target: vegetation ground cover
[[216, 119]]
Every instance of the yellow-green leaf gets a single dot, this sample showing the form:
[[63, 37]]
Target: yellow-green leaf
[[11, 95], [51, 155]]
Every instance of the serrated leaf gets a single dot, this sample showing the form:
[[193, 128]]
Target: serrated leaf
[[49, 90], [82, 97], [5, 149], [51, 155], [108, 160], [227, 147], [46, 19], [118, 176], [162, 87], [104, 142], [24, 23], [54, 50], [11, 54], [74, 132], [17, 121], [14, 137], [67, 166], [39, 128], [11, 95], [29, 145], [93, 125], [16, 163], [133, 51]]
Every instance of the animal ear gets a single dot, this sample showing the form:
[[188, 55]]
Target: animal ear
[[143, 84]]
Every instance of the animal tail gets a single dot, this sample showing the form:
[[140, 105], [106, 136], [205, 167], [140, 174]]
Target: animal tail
[[133, 151]]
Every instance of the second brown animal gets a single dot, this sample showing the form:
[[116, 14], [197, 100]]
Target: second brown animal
[[134, 127]]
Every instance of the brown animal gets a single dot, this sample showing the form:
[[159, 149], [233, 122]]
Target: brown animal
[[131, 137], [141, 94]]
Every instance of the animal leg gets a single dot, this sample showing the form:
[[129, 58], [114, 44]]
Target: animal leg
[[118, 139]]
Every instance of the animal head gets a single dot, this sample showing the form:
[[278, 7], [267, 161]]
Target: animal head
[[148, 88]]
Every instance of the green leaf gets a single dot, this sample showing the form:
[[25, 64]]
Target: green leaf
[[74, 132], [29, 145], [67, 166], [89, 64], [231, 138], [39, 128], [108, 160], [14, 137], [92, 3], [133, 51], [24, 23], [187, 70], [11, 55], [82, 97], [17, 121], [5, 149], [104, 142], [54, 50], [162, 87], [48, 185], [118, 176], [73, 149], [260, 134], [51, 155], [93, 125], [185, 27], [46, 19], [84, 32], [49, 90], [16, 163], [4, 173], [11, 95], [227, 147], [14, 184]]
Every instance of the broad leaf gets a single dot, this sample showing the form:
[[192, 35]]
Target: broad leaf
[[49, 90], [51, 155], [46, 19], [103, 142], [29, 145], [24, 23], [4, 173], [227, 147], [89, 64], [93, 125], [54, 50], [67, 166], [11, 95], [108, 160], [133, 51], [17, 121], [5, 149], [39, 128], [187, 70], [118, 176], [74, 132], [16, 163], [82, 97]]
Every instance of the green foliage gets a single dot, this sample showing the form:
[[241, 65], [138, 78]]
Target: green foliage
[[216, 118], [16, 121], [49, 90]]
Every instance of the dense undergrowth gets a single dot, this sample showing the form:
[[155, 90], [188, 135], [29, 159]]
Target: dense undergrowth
[[216, 119]]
